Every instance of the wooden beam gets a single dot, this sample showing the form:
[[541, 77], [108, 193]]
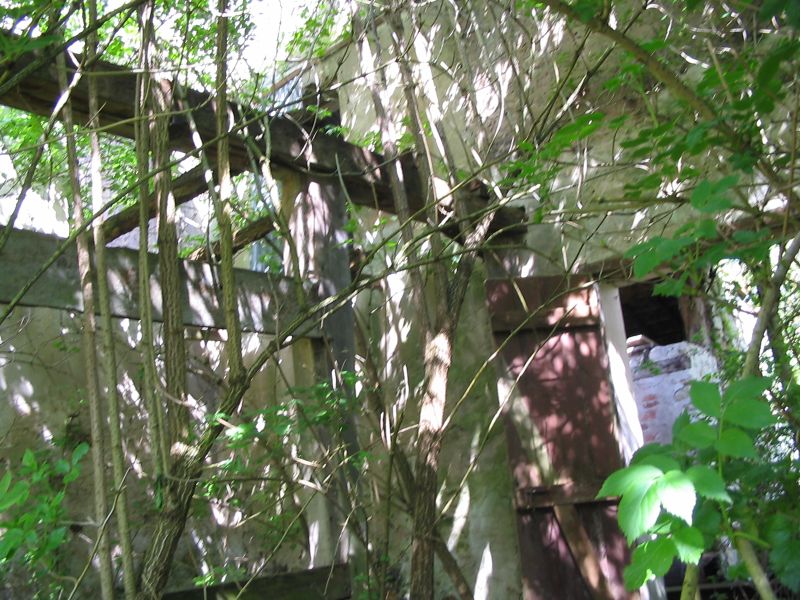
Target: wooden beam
[[322, 583], [286, 143], [267, 303], [585, 492], [185, 187], [255, 230]]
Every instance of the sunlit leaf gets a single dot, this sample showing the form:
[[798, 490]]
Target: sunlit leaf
[[639, 509], [676, 494], [662, 461], [619, 482]]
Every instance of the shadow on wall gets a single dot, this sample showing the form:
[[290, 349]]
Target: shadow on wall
[[44, 408]]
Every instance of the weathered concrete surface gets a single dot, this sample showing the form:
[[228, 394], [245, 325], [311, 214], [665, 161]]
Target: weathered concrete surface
[[267, 303], [43, 408], [476, 491]]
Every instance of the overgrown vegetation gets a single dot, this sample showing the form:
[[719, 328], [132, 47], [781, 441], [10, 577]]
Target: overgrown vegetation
[[660, 138]]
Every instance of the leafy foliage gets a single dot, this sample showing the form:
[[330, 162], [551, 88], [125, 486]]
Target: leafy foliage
[[33, 530], [682, 498]]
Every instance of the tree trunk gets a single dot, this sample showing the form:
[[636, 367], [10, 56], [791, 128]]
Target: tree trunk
[[89, 352], [109, 355]]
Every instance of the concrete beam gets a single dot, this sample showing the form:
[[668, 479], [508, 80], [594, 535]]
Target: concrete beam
[[267, 303]]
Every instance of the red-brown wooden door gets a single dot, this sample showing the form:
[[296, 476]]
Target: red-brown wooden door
[[561, 430]]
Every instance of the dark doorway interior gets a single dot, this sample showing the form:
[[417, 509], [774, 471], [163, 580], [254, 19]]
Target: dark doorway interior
[[655, 317]]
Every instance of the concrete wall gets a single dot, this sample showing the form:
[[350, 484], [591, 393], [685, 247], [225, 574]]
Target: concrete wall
[[44, 408], [484, 76]]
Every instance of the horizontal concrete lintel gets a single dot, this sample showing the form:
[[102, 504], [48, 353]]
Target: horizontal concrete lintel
[[267, 304]]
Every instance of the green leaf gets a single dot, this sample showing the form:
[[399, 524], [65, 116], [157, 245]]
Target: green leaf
[[698, 435], [10, 542], [690, 544], [659, 460], [706, 398], [709, 521], [645, 264], [29, 460], [676, 494], [638, 510], [671, 287], [649, 560], [79, 452], [712, 196], [682, 421], [749, 387], [620, 482], [708, 483], [735, 442], [750, 414], [17, 495], [706, 229], [55, 538], [4, 484]]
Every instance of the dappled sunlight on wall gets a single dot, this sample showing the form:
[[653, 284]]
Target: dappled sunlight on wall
[[233, 526]]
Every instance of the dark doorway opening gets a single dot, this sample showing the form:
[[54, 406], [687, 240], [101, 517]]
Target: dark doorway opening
[[655, 317]]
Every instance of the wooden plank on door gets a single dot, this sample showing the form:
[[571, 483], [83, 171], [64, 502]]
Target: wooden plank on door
[[583, 551]]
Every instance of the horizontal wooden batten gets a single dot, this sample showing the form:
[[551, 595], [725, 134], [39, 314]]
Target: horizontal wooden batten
[[267, 304], [556, 302], [533, 498]]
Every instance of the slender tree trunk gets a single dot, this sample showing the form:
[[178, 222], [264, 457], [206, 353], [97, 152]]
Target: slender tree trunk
[[110, 362], [174, 346], [155, 422], [178, 492], [89, 350], [222, 205], [182, 479], [439, 334]]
